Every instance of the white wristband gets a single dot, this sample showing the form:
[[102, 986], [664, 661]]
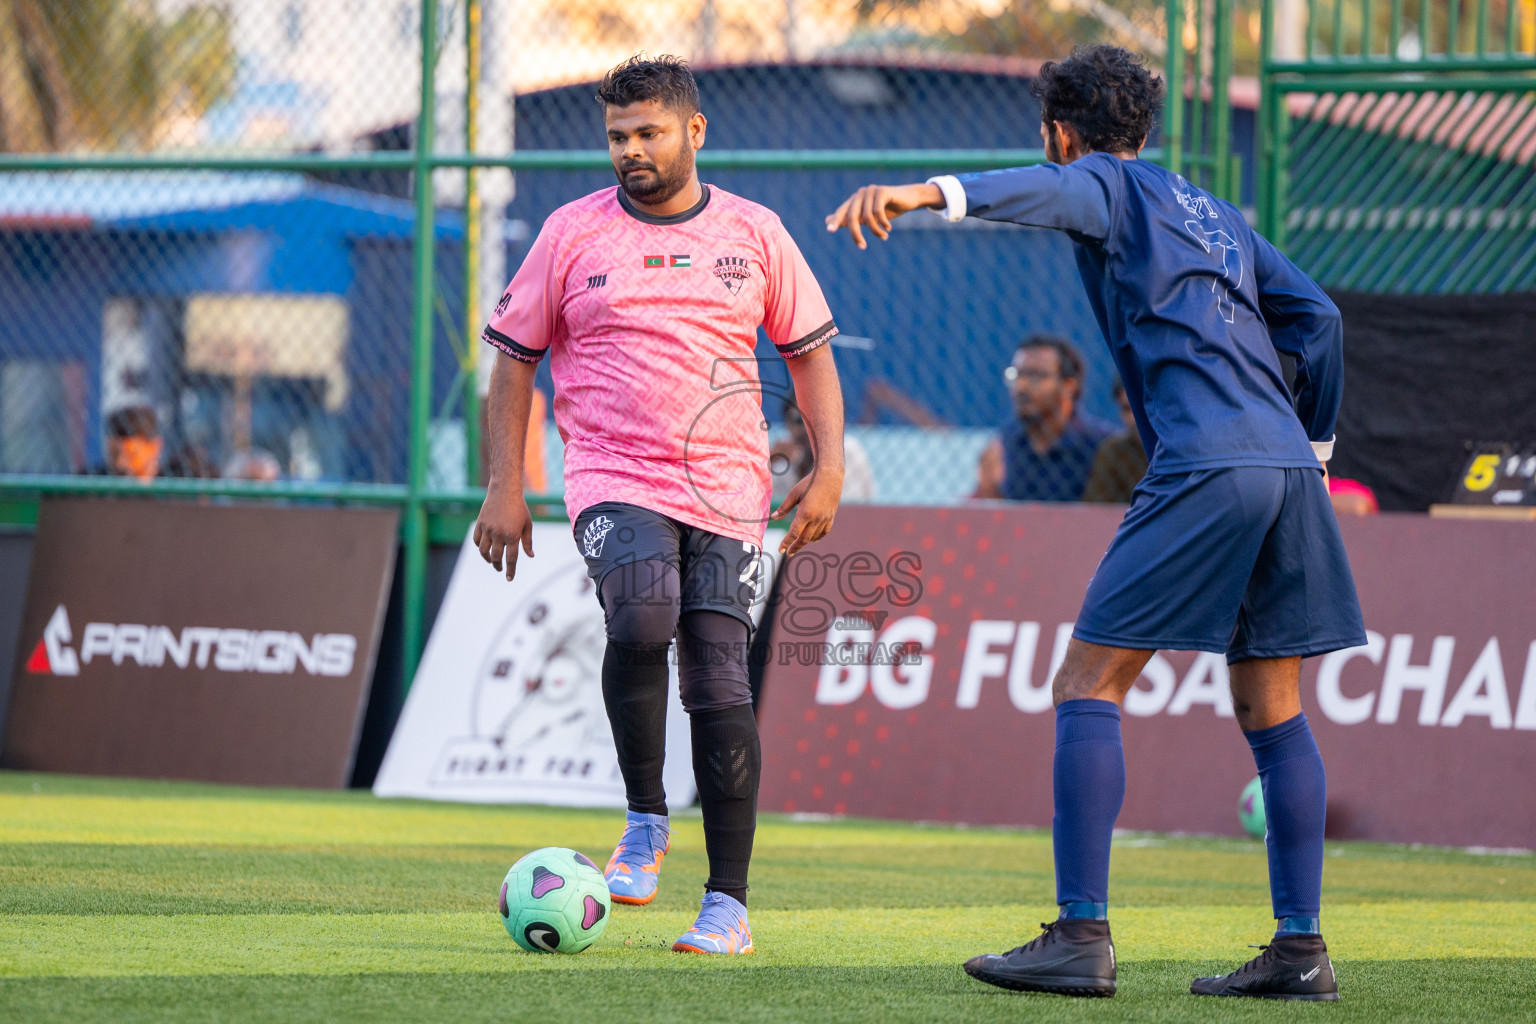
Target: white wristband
[[954, 197], [1324, 449]]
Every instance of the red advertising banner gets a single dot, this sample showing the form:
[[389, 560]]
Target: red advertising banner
[[913, 650]]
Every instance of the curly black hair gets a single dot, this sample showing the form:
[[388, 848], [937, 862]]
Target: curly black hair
[[1105, 92], [666, 79]]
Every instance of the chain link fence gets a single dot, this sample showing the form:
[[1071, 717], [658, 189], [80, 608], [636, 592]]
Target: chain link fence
[[210, 219], [1405, 141]]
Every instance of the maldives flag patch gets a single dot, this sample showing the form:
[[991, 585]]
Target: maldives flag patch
[[681, 261], [655, 261]]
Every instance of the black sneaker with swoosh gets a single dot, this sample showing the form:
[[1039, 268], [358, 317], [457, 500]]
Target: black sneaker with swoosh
[[1290, 967], [1072, 957]]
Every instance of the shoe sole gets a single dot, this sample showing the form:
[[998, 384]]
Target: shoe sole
[[1067, 986], [630, 901], [678, 947], [1318, 997]]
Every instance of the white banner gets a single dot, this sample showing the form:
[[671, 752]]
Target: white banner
[[507, 705]]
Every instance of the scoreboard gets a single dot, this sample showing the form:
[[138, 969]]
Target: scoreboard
[[1497, 474]]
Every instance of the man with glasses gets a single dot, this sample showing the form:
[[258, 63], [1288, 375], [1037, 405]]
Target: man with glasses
[[1045, 452]]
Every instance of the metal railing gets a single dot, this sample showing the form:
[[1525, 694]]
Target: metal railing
[[1395, 143]]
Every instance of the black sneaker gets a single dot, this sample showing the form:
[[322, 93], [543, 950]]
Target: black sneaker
[[1073, 957], [1290, 967]]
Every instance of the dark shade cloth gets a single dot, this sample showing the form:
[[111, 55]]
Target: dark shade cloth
[[1424, 375]]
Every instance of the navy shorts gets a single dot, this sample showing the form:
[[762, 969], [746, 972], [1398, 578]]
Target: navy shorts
[[1241, 560], [717, 573]]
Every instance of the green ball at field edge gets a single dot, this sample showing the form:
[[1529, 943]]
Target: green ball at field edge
[[1250, 808], [554, 900]]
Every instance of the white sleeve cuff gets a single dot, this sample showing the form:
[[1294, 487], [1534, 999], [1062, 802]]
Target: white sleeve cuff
[[954, 197], [1323, 449]]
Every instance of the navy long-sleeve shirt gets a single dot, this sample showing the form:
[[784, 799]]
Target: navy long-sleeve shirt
[[1195, 306]]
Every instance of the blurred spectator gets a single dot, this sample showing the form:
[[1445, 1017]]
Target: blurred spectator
[[1044, 454], [134, 445], [256, 465], [791, 460], [1351, 497], [1121, 461], [535, 477]]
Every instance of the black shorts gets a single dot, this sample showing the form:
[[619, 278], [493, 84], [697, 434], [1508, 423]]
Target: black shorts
[[718, 574]]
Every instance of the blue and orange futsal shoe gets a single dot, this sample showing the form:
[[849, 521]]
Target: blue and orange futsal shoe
[[635, 867], [721, 928]]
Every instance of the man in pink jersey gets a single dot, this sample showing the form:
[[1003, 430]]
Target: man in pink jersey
[[648, 298]]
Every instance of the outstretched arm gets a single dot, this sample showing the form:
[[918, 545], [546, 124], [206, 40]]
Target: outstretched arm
[[1046, 196], [1304, 323]]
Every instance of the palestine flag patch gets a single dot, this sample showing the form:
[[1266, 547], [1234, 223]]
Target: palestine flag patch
[[682, 261], [655, 261]]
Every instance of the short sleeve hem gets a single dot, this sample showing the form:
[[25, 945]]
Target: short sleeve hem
[[491, 336], [817, 338]]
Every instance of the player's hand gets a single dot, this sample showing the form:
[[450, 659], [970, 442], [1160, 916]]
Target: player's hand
[[875, 206], [504, 521], [814, 502]]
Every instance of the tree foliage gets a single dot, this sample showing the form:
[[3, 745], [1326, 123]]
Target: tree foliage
[[107, 74]]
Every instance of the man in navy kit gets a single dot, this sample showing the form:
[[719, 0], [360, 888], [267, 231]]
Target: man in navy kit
[[1230, 544]]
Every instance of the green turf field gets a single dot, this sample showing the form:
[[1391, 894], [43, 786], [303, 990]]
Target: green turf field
[[140, 901]]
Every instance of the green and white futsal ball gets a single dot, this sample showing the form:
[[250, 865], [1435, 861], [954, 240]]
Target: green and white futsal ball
[[1250, 808], [554, 901]]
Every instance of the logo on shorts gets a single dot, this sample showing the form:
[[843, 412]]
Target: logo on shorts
[[751, 564], [733, 272], [596, 533]]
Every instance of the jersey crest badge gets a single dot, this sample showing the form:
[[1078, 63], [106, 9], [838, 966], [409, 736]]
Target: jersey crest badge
[[732, 272]]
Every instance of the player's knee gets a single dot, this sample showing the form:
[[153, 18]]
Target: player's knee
[[642, 625], [1070, 686], [716, 693], [641, 604], [712, 662]]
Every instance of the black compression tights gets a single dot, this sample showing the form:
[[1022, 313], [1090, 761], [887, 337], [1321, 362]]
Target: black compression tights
[[727, 759]]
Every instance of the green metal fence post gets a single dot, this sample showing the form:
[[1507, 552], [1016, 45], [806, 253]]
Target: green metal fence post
[[1195, 135], [1263, 174], [413, 599], [1282, 174], [1173, 141], [1221, 107], [470, 364]]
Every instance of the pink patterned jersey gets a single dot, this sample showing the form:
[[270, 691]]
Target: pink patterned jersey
[[650, 324]]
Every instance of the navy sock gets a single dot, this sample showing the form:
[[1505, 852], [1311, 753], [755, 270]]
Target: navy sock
[[1088, 779], [1295, 801]]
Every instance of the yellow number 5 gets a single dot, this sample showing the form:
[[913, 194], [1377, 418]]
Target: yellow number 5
[[1482, 473]]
